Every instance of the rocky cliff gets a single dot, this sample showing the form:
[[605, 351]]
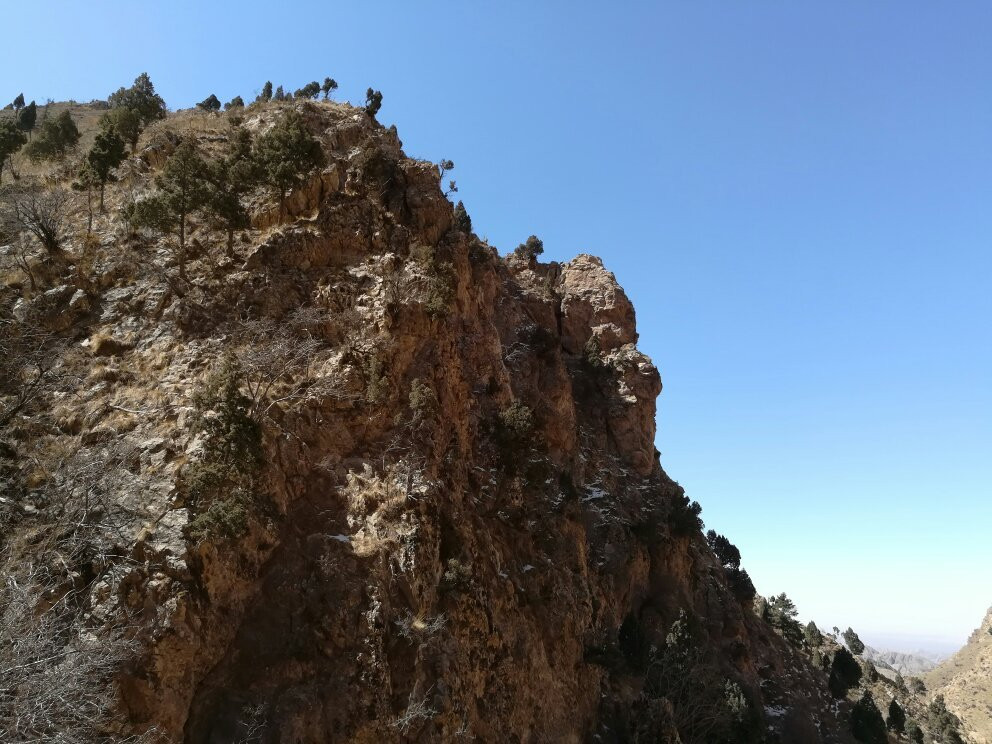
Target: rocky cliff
[[356, 478]]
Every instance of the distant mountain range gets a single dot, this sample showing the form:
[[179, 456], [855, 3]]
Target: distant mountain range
[[913, 664], [965, 681]]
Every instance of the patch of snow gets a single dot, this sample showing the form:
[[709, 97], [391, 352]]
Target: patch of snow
[[594, 494]]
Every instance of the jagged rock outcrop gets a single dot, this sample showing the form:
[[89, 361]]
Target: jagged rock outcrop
[[457, 525]]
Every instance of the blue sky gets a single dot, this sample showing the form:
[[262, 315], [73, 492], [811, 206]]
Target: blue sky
[[795, 195]]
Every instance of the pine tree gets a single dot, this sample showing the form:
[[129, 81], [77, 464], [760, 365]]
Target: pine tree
[[330, 85], [943, 721], [125, 122], [310, 90], [105, 155], [813, 635], [740, 584], [142, 98], [726, 551], [867, 724], [182, 191], [279, 95], [286, 154], [228, 180], [87, 180], [210, 103], [373, 102], [845, 673], [914, 733], [462, 221], [12, 139], [236, 102], [896, 720], [55, 139], [266, 95], [530, 249], [18, 103], [853, 642], [27, 117]]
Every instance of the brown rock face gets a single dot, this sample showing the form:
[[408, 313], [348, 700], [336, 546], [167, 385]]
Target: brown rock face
[[593, 305], [459, 527]]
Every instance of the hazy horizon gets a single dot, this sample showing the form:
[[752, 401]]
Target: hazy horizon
[[796, 199]]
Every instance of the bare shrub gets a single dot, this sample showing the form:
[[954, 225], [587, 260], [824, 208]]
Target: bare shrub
[[56, 676], [280, 362], [420, 628], [30, 366], [42, 212], [417, 710]]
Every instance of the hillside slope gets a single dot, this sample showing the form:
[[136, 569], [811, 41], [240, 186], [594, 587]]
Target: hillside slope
[[965, 681]]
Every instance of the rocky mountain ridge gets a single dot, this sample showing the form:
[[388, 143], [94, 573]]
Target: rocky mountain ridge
[[355, 477]]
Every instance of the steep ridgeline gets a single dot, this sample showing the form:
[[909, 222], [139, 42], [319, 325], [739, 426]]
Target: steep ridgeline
[[965, 681], [352, 477]]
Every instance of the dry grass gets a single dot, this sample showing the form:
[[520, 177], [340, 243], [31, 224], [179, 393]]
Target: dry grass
[[965, 680]]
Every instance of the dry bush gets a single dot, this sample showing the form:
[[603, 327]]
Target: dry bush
[[56, 676], [418, 710], [42, 212], [280, 363], [30, 366]]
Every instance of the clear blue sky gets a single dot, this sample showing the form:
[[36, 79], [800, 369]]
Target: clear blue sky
[[795, 195]]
